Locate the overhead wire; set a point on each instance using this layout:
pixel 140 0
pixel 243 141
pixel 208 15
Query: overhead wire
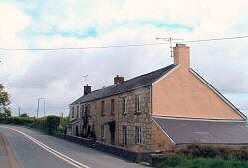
pixel 120 46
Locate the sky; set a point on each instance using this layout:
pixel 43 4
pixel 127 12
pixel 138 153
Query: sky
pixel 58 75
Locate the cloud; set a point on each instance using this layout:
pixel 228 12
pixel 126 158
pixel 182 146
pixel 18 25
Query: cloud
pixel 58 75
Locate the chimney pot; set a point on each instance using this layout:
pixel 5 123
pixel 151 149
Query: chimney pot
pixel 118 80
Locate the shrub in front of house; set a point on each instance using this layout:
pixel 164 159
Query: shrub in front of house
pixel 181 162
pixel 204 156
pixel 52 123
pixel 210 151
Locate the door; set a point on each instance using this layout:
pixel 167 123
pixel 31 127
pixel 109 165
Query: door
pixel 112 132
pixel 77 131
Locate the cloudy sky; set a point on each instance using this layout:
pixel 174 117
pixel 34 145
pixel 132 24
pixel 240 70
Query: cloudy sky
pixel 58 75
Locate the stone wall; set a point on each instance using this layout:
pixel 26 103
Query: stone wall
pixel 131 119
pixel 160 142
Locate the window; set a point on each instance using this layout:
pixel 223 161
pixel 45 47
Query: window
pixel 124 135
pixel 72 112
pixel 137 135
pixel 87 109
pixel 112 107
pixel 124 106
pixel 103 108
pixel 77 111
pixel 82 111
pixel 102 132
pixel 137 104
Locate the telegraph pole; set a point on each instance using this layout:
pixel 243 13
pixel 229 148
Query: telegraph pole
pixel 44 106
pixel 38 106
pixel 19 111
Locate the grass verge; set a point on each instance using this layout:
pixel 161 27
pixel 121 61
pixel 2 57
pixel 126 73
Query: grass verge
pixel 197 162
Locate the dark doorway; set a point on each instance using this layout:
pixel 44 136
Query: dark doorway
pixel 77 132
pixel 112 132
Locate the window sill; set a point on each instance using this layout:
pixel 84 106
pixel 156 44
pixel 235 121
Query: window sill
pixel 138 113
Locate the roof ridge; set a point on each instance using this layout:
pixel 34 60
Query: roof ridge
pixel 135 77
pixel 132 83
pixel 149 72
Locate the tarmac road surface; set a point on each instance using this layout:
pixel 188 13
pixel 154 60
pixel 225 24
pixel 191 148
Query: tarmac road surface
pixel 26 148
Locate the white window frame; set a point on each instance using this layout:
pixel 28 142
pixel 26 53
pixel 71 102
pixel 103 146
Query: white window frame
pixel 124 105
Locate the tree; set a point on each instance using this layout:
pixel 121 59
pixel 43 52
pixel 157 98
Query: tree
pixel 4 102
pixel 24 115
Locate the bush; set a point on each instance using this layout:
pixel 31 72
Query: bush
pixel 21 120
pixel 198 162
pixel 208 151
pixel 24 115
pixel 52 123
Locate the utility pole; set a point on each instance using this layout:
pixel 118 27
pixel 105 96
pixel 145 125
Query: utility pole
pixel 38 106
pixel 171 41
pixel 19 111
pixel 44 106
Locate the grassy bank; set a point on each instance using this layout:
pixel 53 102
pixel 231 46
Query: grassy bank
pixel 204 156
pixel 186 162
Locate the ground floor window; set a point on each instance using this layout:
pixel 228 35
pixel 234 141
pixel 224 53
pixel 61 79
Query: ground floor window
pixel 102 132
pixel 124 135
pixel 138 135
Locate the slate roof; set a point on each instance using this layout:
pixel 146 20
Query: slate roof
pixel 143 80
pixel 202 131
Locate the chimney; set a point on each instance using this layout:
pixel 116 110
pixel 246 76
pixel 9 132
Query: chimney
pixel 182 56
pixel 118 80
pixel 87 89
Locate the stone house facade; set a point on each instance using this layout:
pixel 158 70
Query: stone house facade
pixel 116 120
pixel 139 114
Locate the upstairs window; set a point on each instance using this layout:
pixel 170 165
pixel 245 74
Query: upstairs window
pixel 102 108
pixel 77 111
pixel 138 135
pixel 124 106
pixel 72 112
pixel 112 107
pixel 87 109
pixel 137 104
pixel 82 111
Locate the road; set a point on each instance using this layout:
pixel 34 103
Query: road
pixel 26 148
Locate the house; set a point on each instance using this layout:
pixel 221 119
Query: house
pixel 157 111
